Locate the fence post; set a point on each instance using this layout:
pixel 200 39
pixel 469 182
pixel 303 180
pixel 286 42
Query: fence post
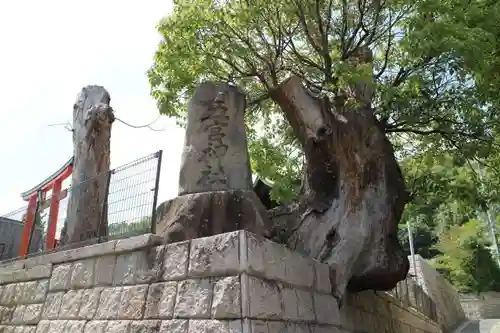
pixel 415 295
pixel 29 220
pixel 159 155
pixel 33 226
pixel 104 208
pixel 406 293
pixel 53 215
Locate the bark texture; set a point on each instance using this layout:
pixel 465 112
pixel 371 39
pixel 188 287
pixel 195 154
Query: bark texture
pixel 353 192
pixel 87 211
pixel 210 213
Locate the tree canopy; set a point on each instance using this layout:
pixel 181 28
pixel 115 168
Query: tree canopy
pixel 436 66
pixel 434 79
pixel 466 260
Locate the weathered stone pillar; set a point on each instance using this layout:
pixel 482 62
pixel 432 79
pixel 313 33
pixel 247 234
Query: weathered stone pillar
pixel 215 155
pixel 93 117
pixel 215 183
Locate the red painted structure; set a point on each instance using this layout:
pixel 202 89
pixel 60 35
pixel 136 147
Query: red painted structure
pixel 35 197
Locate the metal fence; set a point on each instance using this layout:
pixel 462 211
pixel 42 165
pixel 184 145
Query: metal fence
pixel 117 204
pixel 410 294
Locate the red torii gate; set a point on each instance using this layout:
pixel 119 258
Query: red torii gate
pixel 36 197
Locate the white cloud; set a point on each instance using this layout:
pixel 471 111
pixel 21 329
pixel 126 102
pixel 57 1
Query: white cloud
pixel 50 50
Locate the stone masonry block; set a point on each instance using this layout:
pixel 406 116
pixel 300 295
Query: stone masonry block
pixel 226 301
pixel 327 310
pixel 275 326
pixel 261 257
pixel 260 326
pixel 7 314
pixel 174 326
pixel 57 326
pixel 137 242
pixel 27 293
pixel 29 274
pixel 82 275
pixel 132 302
pixel 215 256
pixel 89 303
pixel 8 294
pixel 145 326
pixel 37 272
pixel 161 300
pixel 74 326
pixel 96 326
pixel 322 282
pixel 299 270
pixel 89 251
pixel 41 289
pixel 17 316
pixel 328 329
pixel 109 303
pixel 103 272
pixel 260 299
pixel 290 311
pixel 298 305
pixel 52 305
pixel 32 313
pixel 3 310
pixel 25 329
pixel 127 267
pixel 19 292
pixel 194 299
pixel 70 304
pixel 118 326
pixel 305 307
pixel 151 269
pixel 215 326
pixel 43 326
pixel 176 261
pixel 297 327
pixel 61 277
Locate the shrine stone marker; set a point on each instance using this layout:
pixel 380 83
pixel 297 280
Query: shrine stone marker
pixel 215 155
pixel 215 182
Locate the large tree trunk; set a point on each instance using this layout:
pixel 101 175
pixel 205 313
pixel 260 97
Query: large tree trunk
pixel 354 191
pixel 87 212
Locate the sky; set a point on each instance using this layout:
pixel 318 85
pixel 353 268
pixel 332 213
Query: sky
pixel 51 49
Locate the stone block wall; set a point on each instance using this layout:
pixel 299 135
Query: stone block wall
pixel 447 300
pixel 483 306
pixel 230 283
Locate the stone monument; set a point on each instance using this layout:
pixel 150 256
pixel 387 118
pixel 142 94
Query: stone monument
pixel 215 183
pixel 215 155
